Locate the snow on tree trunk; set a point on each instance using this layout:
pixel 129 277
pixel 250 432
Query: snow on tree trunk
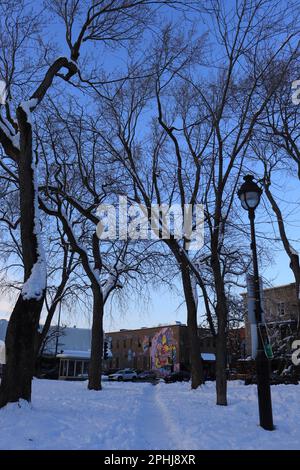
pixel 22 329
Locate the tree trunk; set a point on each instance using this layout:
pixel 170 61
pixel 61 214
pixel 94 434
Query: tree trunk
pixel 221 346
pixel 221 352
pixel 23 324
pixel 95 366
pixel 192 324
pixel 20 351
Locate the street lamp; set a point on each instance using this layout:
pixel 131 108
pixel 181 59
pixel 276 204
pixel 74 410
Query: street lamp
pixel 249 194
pixel 58 329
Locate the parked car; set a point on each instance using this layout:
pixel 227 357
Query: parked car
pixel 181 376
pixel 110 371
pixel 147 376
pixel 123 375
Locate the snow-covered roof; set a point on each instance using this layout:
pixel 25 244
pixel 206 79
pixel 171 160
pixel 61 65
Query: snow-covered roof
pixel 71 339
pixel 68 353
pixel 208 356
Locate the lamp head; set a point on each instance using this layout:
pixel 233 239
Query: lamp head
pixel 249 193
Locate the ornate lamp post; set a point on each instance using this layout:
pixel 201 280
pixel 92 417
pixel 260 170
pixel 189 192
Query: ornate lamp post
pixel 249 194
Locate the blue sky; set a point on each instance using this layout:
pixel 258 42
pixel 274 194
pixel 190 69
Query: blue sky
pixel 167 307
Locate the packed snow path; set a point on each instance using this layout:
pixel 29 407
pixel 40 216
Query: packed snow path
pixel 65 415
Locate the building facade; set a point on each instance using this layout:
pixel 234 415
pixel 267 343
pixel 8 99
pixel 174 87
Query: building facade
pixel 163 348
pixel 280 307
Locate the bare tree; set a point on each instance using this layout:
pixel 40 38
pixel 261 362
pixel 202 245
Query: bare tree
pixel 61 260
pixel 76 155
pixel 199 137
pixel 104 22
pixel 274 162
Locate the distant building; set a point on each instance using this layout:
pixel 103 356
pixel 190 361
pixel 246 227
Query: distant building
pixel 280 307
pixel 73 365
pixel 73 352
pixel 164 348
pixel 71 339
pixel 75 339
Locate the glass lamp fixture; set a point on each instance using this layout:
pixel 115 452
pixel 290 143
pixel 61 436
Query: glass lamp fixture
pixel 249 193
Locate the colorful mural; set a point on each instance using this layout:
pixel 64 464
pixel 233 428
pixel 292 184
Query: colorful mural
pixel 164 351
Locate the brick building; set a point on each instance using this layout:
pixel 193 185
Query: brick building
pixel 280 306
pixel 163 348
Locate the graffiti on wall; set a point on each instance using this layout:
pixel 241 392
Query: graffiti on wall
pixel 164 351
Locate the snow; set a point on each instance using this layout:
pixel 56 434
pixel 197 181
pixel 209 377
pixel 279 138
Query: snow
pixel 35 285
pixel 126 416
pixel 27 106
pixel 2 352
pixel 194 289
pixel 293 251
pixel 71 339
pixel 68 353
pixel 9 132
pixel 16 140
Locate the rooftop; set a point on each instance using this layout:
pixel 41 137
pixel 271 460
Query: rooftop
pixel 267 289
pixel 144 328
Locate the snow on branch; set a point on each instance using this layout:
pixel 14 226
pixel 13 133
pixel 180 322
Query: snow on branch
pixel 293 251
pixel 27 107
pixel 35 285
pixel 9 132
pixel 112 280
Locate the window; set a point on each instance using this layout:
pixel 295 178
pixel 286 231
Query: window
pixel 63 368
pixel 85 367
pixel 71 368
pixel 124 343
pixel 78 368
pixel 117 344
pixel 280 308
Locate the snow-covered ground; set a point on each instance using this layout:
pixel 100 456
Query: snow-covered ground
pixel 65 415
